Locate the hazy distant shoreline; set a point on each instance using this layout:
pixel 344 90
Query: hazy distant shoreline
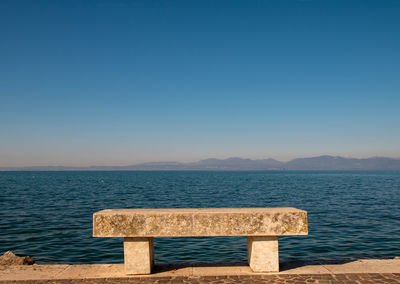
pixel 239 164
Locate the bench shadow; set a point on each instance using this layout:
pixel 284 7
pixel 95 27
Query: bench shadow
pixel 162 267
pixel 283 266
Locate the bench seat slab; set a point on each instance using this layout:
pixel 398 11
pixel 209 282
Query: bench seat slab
pixel 204 222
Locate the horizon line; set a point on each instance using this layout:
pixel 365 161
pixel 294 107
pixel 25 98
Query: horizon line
pixel 186 163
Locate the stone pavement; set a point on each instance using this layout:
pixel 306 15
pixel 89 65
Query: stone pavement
pixel 360 278
pixel 361 271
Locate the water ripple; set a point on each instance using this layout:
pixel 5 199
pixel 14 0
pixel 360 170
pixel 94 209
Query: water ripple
pixel 48 215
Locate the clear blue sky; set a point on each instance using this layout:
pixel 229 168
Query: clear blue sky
pixel 124 82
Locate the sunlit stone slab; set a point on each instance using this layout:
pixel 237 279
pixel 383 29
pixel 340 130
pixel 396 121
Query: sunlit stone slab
pixel 179 222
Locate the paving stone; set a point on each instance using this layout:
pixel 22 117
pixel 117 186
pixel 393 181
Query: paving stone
pixel 262 279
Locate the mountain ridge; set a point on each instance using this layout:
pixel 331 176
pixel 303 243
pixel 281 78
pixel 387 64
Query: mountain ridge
pixel 324 162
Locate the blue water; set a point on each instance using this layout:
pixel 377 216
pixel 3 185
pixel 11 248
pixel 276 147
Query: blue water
pixel 48 215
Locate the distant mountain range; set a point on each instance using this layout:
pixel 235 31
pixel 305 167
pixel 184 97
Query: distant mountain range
pixel 239 164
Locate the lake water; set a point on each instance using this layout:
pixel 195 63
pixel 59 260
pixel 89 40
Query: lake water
pixel 48 215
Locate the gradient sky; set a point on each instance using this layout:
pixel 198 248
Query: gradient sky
pixel 124 82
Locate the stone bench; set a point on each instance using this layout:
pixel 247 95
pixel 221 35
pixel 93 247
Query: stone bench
pixel 261 226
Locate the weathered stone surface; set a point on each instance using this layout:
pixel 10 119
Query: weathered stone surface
pixel 178 222
pixel 9 258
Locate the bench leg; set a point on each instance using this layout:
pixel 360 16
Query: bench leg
pixel 263 254
pixel 138 255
